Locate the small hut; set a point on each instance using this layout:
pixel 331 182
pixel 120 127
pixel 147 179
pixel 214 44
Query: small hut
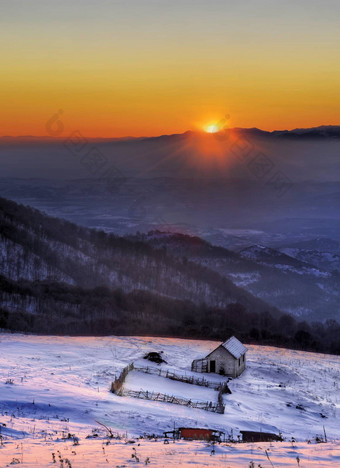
pixel 195 433
pixel 229 358
pixel 254 436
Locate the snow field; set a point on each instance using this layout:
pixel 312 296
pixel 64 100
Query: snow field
pixel 52 386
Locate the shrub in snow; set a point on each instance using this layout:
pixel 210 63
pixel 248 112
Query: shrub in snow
pixel 154 357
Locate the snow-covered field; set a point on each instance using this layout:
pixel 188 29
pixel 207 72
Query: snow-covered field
pixel 54 386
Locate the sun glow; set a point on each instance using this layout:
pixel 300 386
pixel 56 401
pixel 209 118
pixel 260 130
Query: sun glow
pixel 212 128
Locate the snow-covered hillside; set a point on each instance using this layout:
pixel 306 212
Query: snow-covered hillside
pixel 54 384
pixel 329 261
pixel 296 285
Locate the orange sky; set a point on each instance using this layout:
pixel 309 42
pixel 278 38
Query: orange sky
pixel 120 68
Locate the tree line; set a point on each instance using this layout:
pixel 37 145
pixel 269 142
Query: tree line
pixel 64 309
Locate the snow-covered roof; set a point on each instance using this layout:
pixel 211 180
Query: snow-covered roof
pixel 235 347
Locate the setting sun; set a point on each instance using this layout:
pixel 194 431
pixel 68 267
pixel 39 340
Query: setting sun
pixel 212 128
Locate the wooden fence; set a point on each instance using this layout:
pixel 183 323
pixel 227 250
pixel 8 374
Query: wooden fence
pixel 117 384
pixel 219 407
pixel 154 396
pixel 202 382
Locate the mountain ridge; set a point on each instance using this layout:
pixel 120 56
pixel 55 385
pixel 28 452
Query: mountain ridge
pixel 321 131
pixel 35 246
pixel 60 278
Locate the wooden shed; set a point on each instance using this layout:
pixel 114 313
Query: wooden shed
pixel 229 359
pixel 196 433
pixel 254 436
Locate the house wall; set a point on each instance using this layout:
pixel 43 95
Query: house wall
pixel 252 436
pixel 224 360
pixel 242 365
pixel 196 434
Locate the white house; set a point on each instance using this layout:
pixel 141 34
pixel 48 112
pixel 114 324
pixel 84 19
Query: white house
pixel 229 358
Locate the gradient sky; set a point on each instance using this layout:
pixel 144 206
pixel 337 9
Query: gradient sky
pixel 138 67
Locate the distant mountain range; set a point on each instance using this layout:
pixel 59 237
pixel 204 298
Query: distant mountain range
pixel 243 154
pixel 38 248
pixel 59 278
pixel 322 131
pixel 194 183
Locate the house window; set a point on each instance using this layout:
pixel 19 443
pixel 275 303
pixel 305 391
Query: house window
pixel 243 357
pixel 239 362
